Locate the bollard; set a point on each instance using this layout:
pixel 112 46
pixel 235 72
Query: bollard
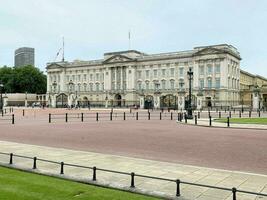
pixel 185 118
pixel 34 163
pixel 230 114
pixel 234 193
pixel 2 112
pixel 239 113
pixel 110 116
pixel 66 117
pixel 23 112
pixel 259 113
pixel 49 118
pixel 171 115
pixel 160 116
pixel 132 180
pixel 13 119
pixel 220 114
pixel 11 159
pixel 178 188
pixel 94 173
pixel 195 119
pixel 249 114
pixel 136 115
pixel 97 116
pixel 234 110
pixel 209 113
pixel 198 115
pixel 148 115
pixel 62 168
pixel 124 116
pixel 82 117
pixel 210 120
pixel 228 121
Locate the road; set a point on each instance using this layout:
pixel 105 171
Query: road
pixel 164 140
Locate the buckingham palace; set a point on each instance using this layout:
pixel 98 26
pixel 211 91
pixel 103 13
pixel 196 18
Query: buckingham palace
pixel 134 78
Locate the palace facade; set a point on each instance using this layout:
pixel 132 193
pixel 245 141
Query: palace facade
pixel 134 78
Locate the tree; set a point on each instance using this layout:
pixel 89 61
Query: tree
pixel 23 79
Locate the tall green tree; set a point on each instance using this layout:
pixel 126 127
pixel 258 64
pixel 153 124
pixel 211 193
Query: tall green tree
pixel 23 79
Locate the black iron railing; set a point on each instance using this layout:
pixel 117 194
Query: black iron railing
pixel 132 176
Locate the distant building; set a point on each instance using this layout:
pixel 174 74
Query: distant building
pixel 131 77
pixel 24 56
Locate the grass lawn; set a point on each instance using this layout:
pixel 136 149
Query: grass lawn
pixel 19 185
pixel 244 120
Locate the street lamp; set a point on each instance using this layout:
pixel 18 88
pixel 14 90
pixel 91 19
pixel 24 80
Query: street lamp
pixel 189 107
pixel 1 105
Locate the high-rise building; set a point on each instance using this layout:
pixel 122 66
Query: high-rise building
pixel 24 56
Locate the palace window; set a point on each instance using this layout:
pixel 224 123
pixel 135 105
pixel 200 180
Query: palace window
pixel 97 77
pixel 155 73
pixel 217 82
pixel 147 85
pixel 84 87
pixel 91 77
pixel 172 72
pixel 147 74
pixel 201 83
pixel 163 84
pixel 163 72
pixel 139 85
pixel 201 70
pixel 209 70
pixel 84 77
pixel 139 74
pixel 79 77
pixel 97 87
pixel 217 69
pixel 181 71
pixel 91 87
pixel 209 83
pixel 172 84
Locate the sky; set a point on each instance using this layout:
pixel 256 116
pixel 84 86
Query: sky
pixel 94 27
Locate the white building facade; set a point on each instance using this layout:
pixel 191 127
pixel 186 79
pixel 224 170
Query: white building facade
pixel 133 78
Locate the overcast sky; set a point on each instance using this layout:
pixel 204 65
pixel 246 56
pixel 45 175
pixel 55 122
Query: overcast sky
pixel 93 27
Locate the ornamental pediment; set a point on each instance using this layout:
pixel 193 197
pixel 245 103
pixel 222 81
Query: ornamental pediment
pixel 54 66
pixel 118 58
pixel 208 51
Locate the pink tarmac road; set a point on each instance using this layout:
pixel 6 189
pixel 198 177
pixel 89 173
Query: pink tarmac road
pixel 164 140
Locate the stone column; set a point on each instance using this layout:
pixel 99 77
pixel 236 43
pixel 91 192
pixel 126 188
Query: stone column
pixel 181 98
pixel 255 100
pixel 70 100
pixel 199 100
pixel 142 101
pixel 157 101
pixel 53 101
pixel 181 105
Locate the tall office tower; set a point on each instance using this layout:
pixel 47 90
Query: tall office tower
pixel 24 56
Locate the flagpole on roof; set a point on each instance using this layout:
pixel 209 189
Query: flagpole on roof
pixel 129 37
pixel 63 49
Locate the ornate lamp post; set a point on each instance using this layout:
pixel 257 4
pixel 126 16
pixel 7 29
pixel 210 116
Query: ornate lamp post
pixel 189 107
pixel 1 100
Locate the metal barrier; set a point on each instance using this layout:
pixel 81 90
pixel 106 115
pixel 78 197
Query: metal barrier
pixel 8 118
pixel 111 116
pixel 132 175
